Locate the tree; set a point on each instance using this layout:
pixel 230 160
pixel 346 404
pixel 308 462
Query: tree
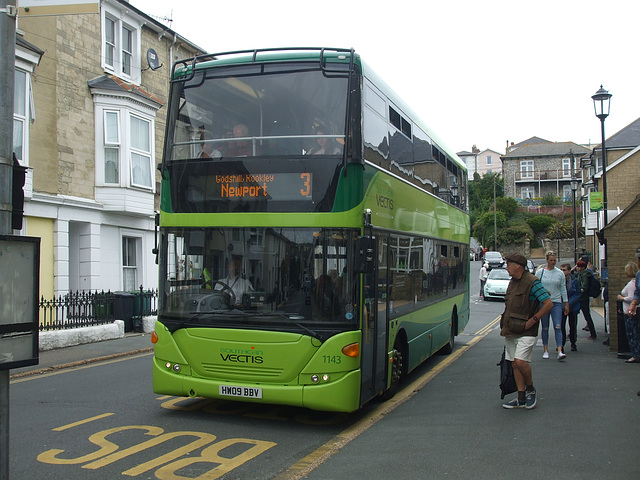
pixel 540 223
pixel 483 229
pixel 481 196
pixel 563 229
pixel 507 205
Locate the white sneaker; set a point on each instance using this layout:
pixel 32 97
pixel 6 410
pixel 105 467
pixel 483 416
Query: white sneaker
pixel 545 355
pixel 561 356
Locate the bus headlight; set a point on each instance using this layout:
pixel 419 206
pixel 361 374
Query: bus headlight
pixel 316 378
pixel 175 367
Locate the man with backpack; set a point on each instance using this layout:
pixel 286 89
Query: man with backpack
pixel 587 280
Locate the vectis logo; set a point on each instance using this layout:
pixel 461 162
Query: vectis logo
pixel 384 202
pixel 241 355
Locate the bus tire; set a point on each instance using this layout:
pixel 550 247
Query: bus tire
pixel 448 347
pixel 398 369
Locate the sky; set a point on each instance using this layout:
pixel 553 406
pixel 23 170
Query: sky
pixel 478 73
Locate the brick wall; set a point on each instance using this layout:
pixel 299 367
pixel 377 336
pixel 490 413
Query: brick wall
pixel 623 182
pixel 623 238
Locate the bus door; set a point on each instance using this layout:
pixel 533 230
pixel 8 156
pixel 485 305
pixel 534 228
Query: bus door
pixel 373 348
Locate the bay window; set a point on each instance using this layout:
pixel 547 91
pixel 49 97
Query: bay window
pixel 129 153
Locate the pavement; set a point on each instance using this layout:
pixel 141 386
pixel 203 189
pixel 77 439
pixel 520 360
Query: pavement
pixel 584 425
pixel 453 426
pixel 50 360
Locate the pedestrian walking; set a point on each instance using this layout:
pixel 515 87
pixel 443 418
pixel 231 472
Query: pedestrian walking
pixel 554 281
pixel 574 293
pixel 585 276
pixel 526 301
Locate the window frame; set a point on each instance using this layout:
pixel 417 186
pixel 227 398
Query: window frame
pixel 112 145
pixel 566 167
pixel 136 150
pixel 531 190
pixel 136 268
pixel 121 19
pixel 125 110
pixel 21 117
pixel 526 168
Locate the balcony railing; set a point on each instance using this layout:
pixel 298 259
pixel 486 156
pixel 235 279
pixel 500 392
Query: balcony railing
pixel 544 175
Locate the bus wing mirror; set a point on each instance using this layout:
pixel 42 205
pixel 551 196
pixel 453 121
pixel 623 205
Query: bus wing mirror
pixel 155 250
pixel 365 254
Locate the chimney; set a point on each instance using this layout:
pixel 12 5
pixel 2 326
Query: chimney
pixel 475 149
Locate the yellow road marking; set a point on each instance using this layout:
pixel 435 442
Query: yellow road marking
pixel 324 452
pixel 82 422
pixel 487 328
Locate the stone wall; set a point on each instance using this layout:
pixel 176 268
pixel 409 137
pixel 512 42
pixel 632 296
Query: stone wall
pixel 564 248
pixel 523 248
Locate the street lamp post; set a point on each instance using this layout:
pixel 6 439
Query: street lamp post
pixel 601 103
pixel 574 187
pixel 495 219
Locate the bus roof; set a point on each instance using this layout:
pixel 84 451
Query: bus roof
pixel 369 73
pixel 298 54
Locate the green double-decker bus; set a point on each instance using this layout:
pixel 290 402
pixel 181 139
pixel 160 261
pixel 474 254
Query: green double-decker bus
pixel 313 233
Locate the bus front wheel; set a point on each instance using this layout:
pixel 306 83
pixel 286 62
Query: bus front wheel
pixel 397 369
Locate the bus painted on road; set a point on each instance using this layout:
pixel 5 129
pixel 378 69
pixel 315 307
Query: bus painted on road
pixel 313 233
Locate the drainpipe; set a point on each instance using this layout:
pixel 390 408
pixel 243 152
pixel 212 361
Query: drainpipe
pixel 175 40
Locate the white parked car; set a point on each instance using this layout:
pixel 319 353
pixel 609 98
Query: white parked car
pixel 497 283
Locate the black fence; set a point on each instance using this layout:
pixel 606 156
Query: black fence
pixel 86 309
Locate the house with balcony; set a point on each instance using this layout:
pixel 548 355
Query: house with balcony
pixel 537 168
pixel 89 126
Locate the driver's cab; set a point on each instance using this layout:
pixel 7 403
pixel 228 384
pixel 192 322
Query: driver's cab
pixel 235 284
pixel 210 273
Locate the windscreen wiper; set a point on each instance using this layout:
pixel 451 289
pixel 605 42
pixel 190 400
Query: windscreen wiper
pixel 293 319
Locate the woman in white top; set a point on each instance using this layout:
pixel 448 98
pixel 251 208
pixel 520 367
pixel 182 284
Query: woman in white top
pixel 553 280
pixel 631 323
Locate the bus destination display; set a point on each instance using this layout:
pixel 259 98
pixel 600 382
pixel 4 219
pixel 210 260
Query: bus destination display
pixel 274 186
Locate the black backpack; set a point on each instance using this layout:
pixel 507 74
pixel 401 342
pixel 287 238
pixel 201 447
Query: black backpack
pixel 594 287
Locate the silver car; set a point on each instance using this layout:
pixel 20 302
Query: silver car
pixel 494 259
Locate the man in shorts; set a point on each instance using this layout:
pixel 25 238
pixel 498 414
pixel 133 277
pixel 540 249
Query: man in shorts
pixel 526 302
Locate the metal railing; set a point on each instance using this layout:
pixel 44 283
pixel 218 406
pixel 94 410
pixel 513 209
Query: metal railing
pixel 561 175
pixel 86 309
